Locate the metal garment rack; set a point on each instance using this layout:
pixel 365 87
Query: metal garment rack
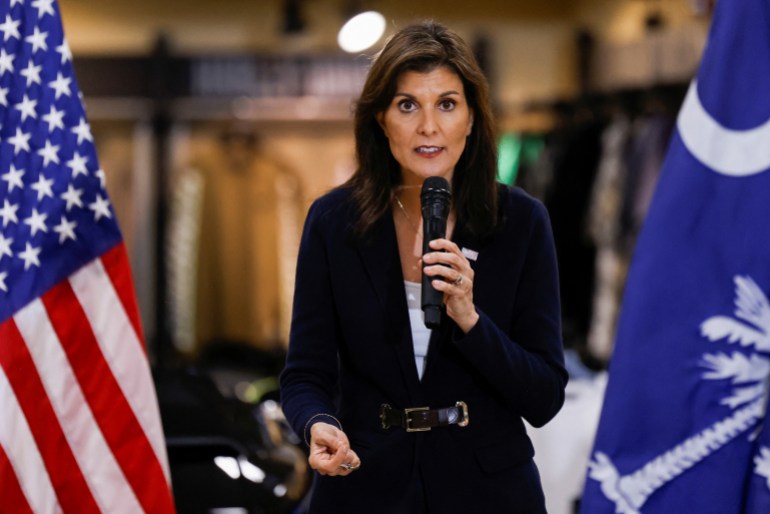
pixel 164 89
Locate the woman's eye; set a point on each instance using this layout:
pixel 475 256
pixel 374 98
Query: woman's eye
pixel 447 105
pixel 406 106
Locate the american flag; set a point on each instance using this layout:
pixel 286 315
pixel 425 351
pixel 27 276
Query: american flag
pixel 79 423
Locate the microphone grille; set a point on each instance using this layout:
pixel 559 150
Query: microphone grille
pixel 436 184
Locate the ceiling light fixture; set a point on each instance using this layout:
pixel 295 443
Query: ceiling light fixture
pixel 361 31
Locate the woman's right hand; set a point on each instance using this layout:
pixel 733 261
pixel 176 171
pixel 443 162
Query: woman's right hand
pixel 330 452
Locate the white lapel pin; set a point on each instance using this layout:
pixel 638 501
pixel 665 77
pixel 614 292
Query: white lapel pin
pixel 470 254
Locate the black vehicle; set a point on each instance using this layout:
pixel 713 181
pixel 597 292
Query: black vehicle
pixel 228 455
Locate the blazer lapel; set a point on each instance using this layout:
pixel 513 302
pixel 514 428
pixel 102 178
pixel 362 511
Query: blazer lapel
pixel 380 258
pixel 379 255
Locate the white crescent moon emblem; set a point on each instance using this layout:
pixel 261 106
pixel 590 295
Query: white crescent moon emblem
pixel 738 153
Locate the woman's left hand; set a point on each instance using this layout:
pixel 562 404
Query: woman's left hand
pixel 449 263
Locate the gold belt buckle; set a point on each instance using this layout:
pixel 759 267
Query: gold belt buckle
pixel 409 421
pixel 465 417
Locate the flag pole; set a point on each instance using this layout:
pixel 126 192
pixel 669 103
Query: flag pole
pixel 161 349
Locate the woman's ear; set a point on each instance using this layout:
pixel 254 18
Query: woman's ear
pixel 470 126
pixel 380 117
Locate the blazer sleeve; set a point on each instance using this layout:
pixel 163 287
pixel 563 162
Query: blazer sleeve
pixel 524 362
pixel 309 378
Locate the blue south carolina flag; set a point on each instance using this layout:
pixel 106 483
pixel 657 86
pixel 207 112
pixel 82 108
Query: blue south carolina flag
pixel 682 429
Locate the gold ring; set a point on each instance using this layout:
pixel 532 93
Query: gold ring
pixel 458 280
pixel 349 467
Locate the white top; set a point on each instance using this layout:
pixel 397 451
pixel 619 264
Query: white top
pixel 420 333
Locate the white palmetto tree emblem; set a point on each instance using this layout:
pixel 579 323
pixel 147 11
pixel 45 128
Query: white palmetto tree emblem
pixel 750 328
pixel 748 371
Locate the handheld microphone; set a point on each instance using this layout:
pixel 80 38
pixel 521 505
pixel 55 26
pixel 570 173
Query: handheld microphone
pixel 434 201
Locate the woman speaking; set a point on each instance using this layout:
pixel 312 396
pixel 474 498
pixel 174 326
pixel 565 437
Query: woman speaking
pixel 401 418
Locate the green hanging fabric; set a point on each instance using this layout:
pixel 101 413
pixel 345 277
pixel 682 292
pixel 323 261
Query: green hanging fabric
pixel 513 152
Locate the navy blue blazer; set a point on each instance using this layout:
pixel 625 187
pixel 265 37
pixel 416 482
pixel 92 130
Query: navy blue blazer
pixel 351 351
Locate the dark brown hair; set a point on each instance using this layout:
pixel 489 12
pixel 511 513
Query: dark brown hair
pixel 424 47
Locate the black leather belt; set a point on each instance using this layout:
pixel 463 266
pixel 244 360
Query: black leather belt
pixel 421 419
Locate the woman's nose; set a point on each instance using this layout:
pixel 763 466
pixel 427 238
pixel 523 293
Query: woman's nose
pixel 428 124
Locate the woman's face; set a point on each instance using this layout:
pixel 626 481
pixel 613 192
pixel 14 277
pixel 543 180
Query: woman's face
pixel 427 123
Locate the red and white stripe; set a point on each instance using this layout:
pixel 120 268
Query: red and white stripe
pixel 80 429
